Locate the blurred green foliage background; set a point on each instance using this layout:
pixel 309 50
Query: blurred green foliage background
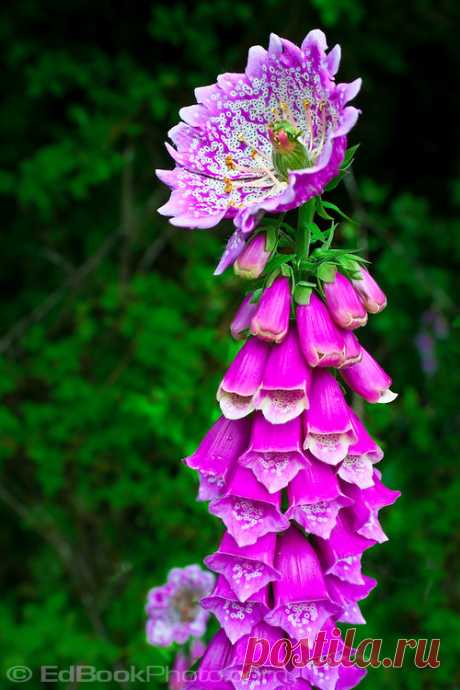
pixel 115 332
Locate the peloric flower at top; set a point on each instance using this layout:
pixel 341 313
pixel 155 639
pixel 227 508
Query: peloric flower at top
pixel 268 139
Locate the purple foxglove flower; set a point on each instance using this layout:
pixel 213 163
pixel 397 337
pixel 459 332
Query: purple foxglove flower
pixel 328 427
pixel 321 342
pixel 274 453
pixel 197 648
pixel 253 259
pixel 247 509
pixel 243 379
pixel 177 678
pixel 353 351
pixel 346 596
pixel 268 139
pixel 210 674
pixel 370 293
pixel 264 676
pixel 271 320
pixel 239 327
pixel 344 304
pixel 366 506
pixel 357 467
pixel 174 613
pixel 217 452
pixel 248 568
pixel 286 382
pixel 315 499
pixel 341 553
pixel 301 600
pixel 333 676
pixel 369 380
pixel 236 618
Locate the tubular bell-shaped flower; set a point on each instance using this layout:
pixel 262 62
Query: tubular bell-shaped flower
pixel 217 452
pixel 315 499
pixel 243 380
pixel 280 131
pixel 369 380
pixel 286 382
pixel 271 320
pixel 320 340
pixel 236 618
pixel 357 467
pixel 301 600
pixel 346 595
pixel 247 509
pixel 343 303
pixel 366 506
pixel 370 293
pixel 341 553
pixel 353 350
pixel 327 674
pixel 274 453
pixel 247 569
pixel 328 427
pixel 266 676
pixel 210 674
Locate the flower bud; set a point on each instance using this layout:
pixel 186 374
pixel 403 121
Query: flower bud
pixel 344 304
pixel 271 320
pixel 253 259
pixel 370 293
pixel 242 319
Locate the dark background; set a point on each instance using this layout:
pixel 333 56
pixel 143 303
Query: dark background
pixel 115 332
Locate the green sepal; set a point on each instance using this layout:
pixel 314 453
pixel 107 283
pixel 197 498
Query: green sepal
pixel 327 272
pixel 302 293
pixel 271 239
pixel 256 295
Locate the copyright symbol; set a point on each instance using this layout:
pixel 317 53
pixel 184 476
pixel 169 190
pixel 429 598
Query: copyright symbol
pixel 19 674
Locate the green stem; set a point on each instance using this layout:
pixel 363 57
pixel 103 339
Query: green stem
pixel 305 217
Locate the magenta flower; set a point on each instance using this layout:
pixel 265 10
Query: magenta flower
pixel 235 617
pixel 301 600
pixel 328 426
pixel 357 468
pixel 177 677
pixel 370 293
pixel 366 507
pixel 271 320
pixel 210 674
pixel 253 259
pixel 369 380
pixel 315 499
pixel 247 509
pixel 243 380
pixel 265 676
pixel 284 392
pixel 247 569
pixel 341 553
pixel 174 613
pixel 216 454
pixel 332 676
pixel 343 303
pixel 321 341
pixel 267 139
pixel 346 595
pixel 274 453
pixel 239 327
pixel 353 350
